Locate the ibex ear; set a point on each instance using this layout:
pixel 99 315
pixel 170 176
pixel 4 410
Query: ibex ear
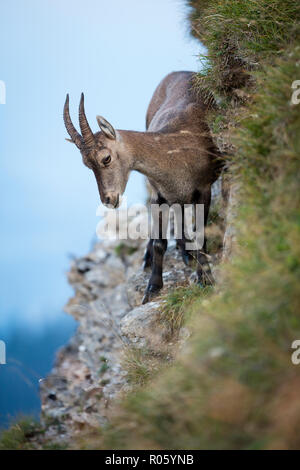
pixel 70 140
pixel 106 128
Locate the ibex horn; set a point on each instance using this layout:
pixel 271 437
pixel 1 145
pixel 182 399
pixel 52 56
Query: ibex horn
pixel 86 131
pixel 75 136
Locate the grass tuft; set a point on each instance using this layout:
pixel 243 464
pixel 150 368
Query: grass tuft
pixel 20 434
pixel 141 365
pixel 176 307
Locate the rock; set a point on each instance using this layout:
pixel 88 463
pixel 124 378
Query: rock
pixel 141 328
pixel 89 375
pixel 136 288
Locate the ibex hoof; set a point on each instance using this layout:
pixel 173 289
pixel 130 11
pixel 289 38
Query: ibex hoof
pixel 150 293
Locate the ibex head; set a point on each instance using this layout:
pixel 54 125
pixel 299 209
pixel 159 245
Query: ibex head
pixel 100 153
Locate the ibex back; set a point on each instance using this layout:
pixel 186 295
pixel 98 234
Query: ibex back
pixel 176 154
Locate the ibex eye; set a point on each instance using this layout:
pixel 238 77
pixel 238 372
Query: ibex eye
pixel 106 160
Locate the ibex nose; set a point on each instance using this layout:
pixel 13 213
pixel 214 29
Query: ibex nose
pixel 111 201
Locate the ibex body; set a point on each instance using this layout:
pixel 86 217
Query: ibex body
pixel 176 154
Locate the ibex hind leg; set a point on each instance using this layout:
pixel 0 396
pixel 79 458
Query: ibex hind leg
pixel 204 274
pixel 199 260
pixel 187 257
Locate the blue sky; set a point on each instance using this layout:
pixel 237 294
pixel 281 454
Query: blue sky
pixel 116 52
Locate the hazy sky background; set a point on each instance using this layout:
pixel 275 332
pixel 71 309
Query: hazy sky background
pixel 116 52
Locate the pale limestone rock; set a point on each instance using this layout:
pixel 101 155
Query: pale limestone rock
pixel 141 327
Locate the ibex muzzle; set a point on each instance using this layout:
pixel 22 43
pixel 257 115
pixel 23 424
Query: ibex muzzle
pixel 176 154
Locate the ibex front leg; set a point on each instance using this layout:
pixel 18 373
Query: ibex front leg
pixel 148 255
pixel 159 247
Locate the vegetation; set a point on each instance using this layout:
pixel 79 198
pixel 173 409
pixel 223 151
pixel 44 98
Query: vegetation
pixel 141 365
pixel 240 36
pixel 122 250
pixel 177 307
pixel 20 435
pixel 26 433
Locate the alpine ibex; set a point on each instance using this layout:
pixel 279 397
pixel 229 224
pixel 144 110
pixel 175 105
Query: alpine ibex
pixel 176 154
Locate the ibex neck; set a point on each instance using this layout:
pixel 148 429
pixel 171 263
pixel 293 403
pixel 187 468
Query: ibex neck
pixel 152 153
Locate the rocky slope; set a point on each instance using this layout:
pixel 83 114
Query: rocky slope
pixel 88 374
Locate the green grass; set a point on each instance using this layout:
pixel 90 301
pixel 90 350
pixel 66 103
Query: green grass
pixel 20 434
pixel 176 309
pixel 141 365
pixel 240 35
pixel 254 28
